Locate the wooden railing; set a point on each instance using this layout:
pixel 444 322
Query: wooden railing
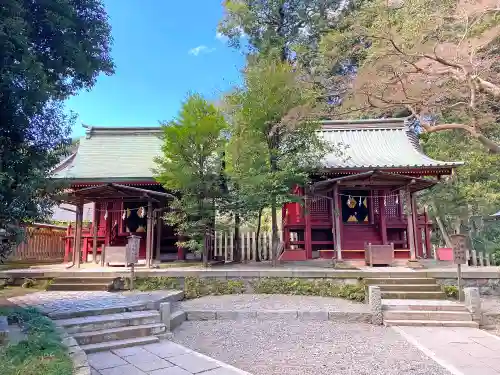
pixel 224 245
pixel 43 243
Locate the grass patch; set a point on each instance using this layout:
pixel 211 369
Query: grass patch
pixel 194 287
pixel 42 353
pixel 305 287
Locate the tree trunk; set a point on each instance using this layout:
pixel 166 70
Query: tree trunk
pixel 257 243
pixel 442 229
pixel 236 239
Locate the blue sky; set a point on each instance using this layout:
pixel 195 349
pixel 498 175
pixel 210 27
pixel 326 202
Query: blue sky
pixel 163 49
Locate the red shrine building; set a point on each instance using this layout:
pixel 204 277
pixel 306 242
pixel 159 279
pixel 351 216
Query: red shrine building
pixel 365 193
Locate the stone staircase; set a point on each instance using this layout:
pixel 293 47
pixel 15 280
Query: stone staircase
pixel 85 284
pixel 119 327
pixel 419 302
pixel 408 288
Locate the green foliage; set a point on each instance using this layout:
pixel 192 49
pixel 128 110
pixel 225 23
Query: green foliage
pixel 278 26
pixel 49 52
pixel 317 287
pixel 274 144
pixel 29 283
pixel 196 287
pixel 451 291
pixel 191 165
pixel 41 353
pixel 155 283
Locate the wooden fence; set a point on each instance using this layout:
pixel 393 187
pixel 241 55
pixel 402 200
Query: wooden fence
pixel 43 242
pixel 224 245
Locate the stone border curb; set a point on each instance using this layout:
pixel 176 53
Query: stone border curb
pixel 78 356
pixel 338 316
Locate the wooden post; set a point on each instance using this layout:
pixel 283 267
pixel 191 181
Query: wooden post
pixel 337 213
pixel 383 218
pixel 149 230
pixel 307 232
pixel 78 242
pixel 67 244
pixel 159 225
pixel 95 227
pixel 409 231
pixel 417 235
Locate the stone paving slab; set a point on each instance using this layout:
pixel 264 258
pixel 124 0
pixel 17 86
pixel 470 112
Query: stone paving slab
pixel 463 351
pixel 163 358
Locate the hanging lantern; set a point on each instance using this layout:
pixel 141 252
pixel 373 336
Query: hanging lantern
pixel 141 212
pixel 106 214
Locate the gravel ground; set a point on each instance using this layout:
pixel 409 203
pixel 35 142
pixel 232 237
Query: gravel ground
pixel 306 348
pixel 271 302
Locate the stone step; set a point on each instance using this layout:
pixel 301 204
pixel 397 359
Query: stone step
pixel 98 322
pixel 117 344
pixel 398 280
pixel 410 288
pixel 450 316
pixel 419 305
pixel 85 280
pixel 120 333
pixel 430 323
pixel 176 318
pixel 399 294
pixel 127 307
pixel 80 287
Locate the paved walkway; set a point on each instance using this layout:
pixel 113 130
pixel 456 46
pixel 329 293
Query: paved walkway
pixel 462 351
pixel 163 358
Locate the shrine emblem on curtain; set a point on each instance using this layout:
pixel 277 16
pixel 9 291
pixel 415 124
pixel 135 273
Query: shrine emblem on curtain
pixel 355 209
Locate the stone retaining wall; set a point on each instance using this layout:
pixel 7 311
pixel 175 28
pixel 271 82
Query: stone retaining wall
pixel 487 286
pixel 78 356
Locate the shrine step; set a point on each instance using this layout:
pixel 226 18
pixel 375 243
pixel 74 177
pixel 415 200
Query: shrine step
pixel 422 305
pixel 86 280
pixel 410 288
pixel 100 322
pixel 412 295
pixel 430 323
pixel 449 316
pixel 117 344
pixel 400 281
pixel 80 286
pixel 120 333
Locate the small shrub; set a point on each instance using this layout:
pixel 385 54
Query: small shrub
pixel 154 283
pixel 451 291
pixel 45 284
pixel 320 287
pixel 195 287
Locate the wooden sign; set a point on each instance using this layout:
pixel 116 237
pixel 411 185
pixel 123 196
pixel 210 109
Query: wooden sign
pixel 459 242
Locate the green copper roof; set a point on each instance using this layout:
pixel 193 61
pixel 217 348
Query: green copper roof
pixel 114 154
pixel 375 143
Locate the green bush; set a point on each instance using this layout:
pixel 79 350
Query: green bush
pixel 154 283
pixel 451 291
pixel 41 353
pixel 305 287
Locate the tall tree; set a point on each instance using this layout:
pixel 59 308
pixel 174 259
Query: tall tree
pixel 281 146
pixel 50 50
pixel 190 165
pixel 281 27
pixel 432 60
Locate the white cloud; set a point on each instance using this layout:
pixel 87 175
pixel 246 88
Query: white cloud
pixel 220 36
pixel 200 50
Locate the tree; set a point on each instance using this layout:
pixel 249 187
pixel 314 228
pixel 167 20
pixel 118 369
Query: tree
pixel 275 138
pixel 49 52
pixel 190 165
pixel 433 61
pixel 282 27
pixel 472 192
